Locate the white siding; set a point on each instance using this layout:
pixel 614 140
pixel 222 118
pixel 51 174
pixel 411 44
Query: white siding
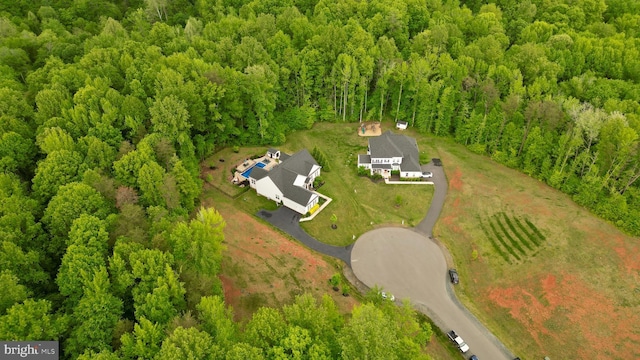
pixel 315 172
pixel 410 174
pixel 268 189
pixel 293 205
pixel 312 202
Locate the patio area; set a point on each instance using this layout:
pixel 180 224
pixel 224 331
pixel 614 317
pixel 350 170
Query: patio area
pixel 244 168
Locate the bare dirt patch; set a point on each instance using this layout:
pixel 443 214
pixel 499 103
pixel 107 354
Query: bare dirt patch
pixel 455 180
pixel 598 327
pixel 370 128
pixel 262 267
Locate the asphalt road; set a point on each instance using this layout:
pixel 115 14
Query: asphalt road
pixel 437 202
pixel 288 221
pixel 409 265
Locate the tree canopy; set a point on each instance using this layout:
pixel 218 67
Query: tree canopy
pixel 107 107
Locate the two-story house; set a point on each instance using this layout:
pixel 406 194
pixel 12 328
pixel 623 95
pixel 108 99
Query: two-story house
pixel 389 152
pixel 289 183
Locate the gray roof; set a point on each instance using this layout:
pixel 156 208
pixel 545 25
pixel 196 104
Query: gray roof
pixel 381 166
pixel 301 162
pixel 285 174
pixel 390 145
pixel 258 173
pixel 410 163
pixel 364 159
pixel 272 150
pixel 284 156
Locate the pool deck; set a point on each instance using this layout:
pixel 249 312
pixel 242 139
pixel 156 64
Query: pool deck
pixel 249 163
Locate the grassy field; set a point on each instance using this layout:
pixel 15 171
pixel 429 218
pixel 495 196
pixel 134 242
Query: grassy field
pixel 263 267
pixel 359 204
pixel 547 277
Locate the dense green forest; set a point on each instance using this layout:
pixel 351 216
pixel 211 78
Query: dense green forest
pixel 106 108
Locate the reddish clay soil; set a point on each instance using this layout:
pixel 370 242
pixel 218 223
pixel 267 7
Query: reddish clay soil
pixel 629 254
pixel 455 180
pixel 597 326
pixel 451 220
pixel 259 261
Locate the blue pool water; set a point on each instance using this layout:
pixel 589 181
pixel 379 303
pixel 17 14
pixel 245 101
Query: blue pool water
pixel 247 172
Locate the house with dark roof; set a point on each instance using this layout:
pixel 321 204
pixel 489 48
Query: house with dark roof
pixel 289 183
pixel 389 152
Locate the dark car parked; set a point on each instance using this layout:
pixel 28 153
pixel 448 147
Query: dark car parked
pixel 453 275
pixel 436 162
pixel 473 357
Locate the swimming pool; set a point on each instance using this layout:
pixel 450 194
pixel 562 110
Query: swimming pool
pixel 247 172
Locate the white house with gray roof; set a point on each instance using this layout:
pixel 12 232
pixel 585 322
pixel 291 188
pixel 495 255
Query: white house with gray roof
pixel 389 152
pixel 289 183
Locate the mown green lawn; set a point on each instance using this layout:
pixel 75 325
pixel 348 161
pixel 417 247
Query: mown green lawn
pixel 359 204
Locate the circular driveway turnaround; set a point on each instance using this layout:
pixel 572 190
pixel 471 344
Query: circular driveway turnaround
pixel 408 264
pixel 401 261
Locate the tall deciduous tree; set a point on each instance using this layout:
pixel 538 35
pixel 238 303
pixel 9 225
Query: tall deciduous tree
pixel 169 117
pixel 69 203
pixel 189 343
pixel 217 321
pixel 13 292
pixel 95 317
pixel 58 168
pixel 32 320
pixel 369 334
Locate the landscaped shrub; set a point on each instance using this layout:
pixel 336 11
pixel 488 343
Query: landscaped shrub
pixel 335 281
pixel 321 158
pixel 376 177
pixel 236 149
pixel 318 181
pixel 395 172
pixel 398 200
pixel 363 171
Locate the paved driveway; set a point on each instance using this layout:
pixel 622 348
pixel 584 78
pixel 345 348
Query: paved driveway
pixel 408 265
pixel 288 221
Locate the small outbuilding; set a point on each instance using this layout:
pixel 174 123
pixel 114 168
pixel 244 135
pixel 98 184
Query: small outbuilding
pixel 273 153
pixel 402 125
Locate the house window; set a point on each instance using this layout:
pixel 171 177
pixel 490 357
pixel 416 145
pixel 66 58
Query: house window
pixel 253 181
pixel 277 197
